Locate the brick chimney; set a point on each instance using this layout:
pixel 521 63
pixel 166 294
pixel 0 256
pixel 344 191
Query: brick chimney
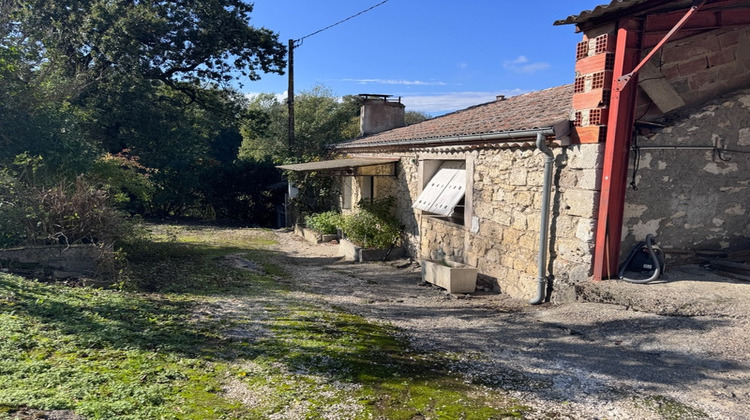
pixel 379 113
pixel 593 87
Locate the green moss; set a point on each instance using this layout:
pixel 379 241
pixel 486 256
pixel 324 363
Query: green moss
pixel 669 409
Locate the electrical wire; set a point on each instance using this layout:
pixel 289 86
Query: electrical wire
pixel 636 160
pixel 298 41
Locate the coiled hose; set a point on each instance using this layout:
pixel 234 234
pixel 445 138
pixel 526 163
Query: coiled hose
pixel 649 244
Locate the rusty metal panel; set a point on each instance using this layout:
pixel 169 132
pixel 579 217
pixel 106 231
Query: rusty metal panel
pixel 443 192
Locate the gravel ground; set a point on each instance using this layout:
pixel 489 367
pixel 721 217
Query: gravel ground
pixel 674 349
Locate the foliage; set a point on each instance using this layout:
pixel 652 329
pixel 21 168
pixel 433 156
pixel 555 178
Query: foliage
pixel 67 212
pixel 127 181
pixel 381 207
pixel 75 213
pixel 265 135
pixel 132 94
pixel 12 216
pixel 321 119
pixel 415 117
pixel 316 192
pixel 181 44
pixel 244 190
pixel 326 223
pixel 372 225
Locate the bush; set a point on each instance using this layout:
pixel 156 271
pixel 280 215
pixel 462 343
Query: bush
pixel 12 230
pixel 381 207
pixel 66 213
pixel 372 225
pixel 324 223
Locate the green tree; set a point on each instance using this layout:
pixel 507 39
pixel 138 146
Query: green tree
pixel 321 119
pixel 133 93
pixel 415 117
pixel 181 44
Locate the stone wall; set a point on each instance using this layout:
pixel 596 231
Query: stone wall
pixel 501 233
pixel 91 261
pixel 692 199
pixel 507 202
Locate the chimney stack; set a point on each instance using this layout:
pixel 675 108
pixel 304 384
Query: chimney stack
pixel 379 113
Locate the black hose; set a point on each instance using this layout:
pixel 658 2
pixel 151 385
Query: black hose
pixel 649 243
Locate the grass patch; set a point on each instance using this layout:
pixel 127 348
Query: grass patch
pixel 207 340
pixel 670 409
pixel 104 354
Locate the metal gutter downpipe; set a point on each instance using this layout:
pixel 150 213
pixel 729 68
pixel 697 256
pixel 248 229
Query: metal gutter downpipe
pixel 541 144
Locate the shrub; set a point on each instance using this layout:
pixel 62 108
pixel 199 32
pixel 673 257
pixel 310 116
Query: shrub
pixel 75 213
pixel 372 225
pixel 12 230
pixel 69 212
pixel 324 223
pixel 381 207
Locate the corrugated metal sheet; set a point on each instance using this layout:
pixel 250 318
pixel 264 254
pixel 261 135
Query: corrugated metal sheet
pixel 336 164
pixel 443 192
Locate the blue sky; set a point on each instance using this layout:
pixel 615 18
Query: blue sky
pixel 438 55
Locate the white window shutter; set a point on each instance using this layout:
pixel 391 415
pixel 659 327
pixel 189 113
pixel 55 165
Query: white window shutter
pixel 443 192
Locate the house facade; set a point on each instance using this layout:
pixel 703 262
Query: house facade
pixel 552 188
pixel 494 219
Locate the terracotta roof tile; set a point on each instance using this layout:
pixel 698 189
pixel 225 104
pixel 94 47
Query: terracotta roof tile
pixel 614 8
pixel 523 112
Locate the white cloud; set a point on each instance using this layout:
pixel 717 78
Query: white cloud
pixel 281 97
pixel 452 101
pixel 394 82
pixel 522 65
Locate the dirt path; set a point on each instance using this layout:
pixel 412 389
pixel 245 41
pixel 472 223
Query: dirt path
pixel 578 360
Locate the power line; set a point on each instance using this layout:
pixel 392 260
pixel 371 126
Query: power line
pixel 298 41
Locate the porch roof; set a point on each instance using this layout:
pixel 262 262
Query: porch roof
pixel 337 164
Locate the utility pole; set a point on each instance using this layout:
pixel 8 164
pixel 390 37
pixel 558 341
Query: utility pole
pixel 290 95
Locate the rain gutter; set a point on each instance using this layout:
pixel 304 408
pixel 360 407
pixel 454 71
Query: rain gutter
pixel 503 135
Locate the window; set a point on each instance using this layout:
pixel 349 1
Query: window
pixel 444 194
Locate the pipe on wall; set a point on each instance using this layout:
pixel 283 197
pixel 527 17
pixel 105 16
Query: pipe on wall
pixel 541 294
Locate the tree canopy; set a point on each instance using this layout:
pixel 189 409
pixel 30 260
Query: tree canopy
pixel 321 119
pixel 137 96
pixel 175 42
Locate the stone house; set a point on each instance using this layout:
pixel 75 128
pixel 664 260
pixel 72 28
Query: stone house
pixel 549 189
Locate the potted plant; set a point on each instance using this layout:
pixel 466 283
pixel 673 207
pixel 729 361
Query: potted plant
pixel 371 232
pixel 321 227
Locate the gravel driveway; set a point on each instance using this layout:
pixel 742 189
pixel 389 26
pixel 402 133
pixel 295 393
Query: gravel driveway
pixel 677 349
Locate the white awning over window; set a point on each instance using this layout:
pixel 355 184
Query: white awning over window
pixel 444 191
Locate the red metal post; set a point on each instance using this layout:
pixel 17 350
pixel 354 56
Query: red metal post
pixel 619 132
